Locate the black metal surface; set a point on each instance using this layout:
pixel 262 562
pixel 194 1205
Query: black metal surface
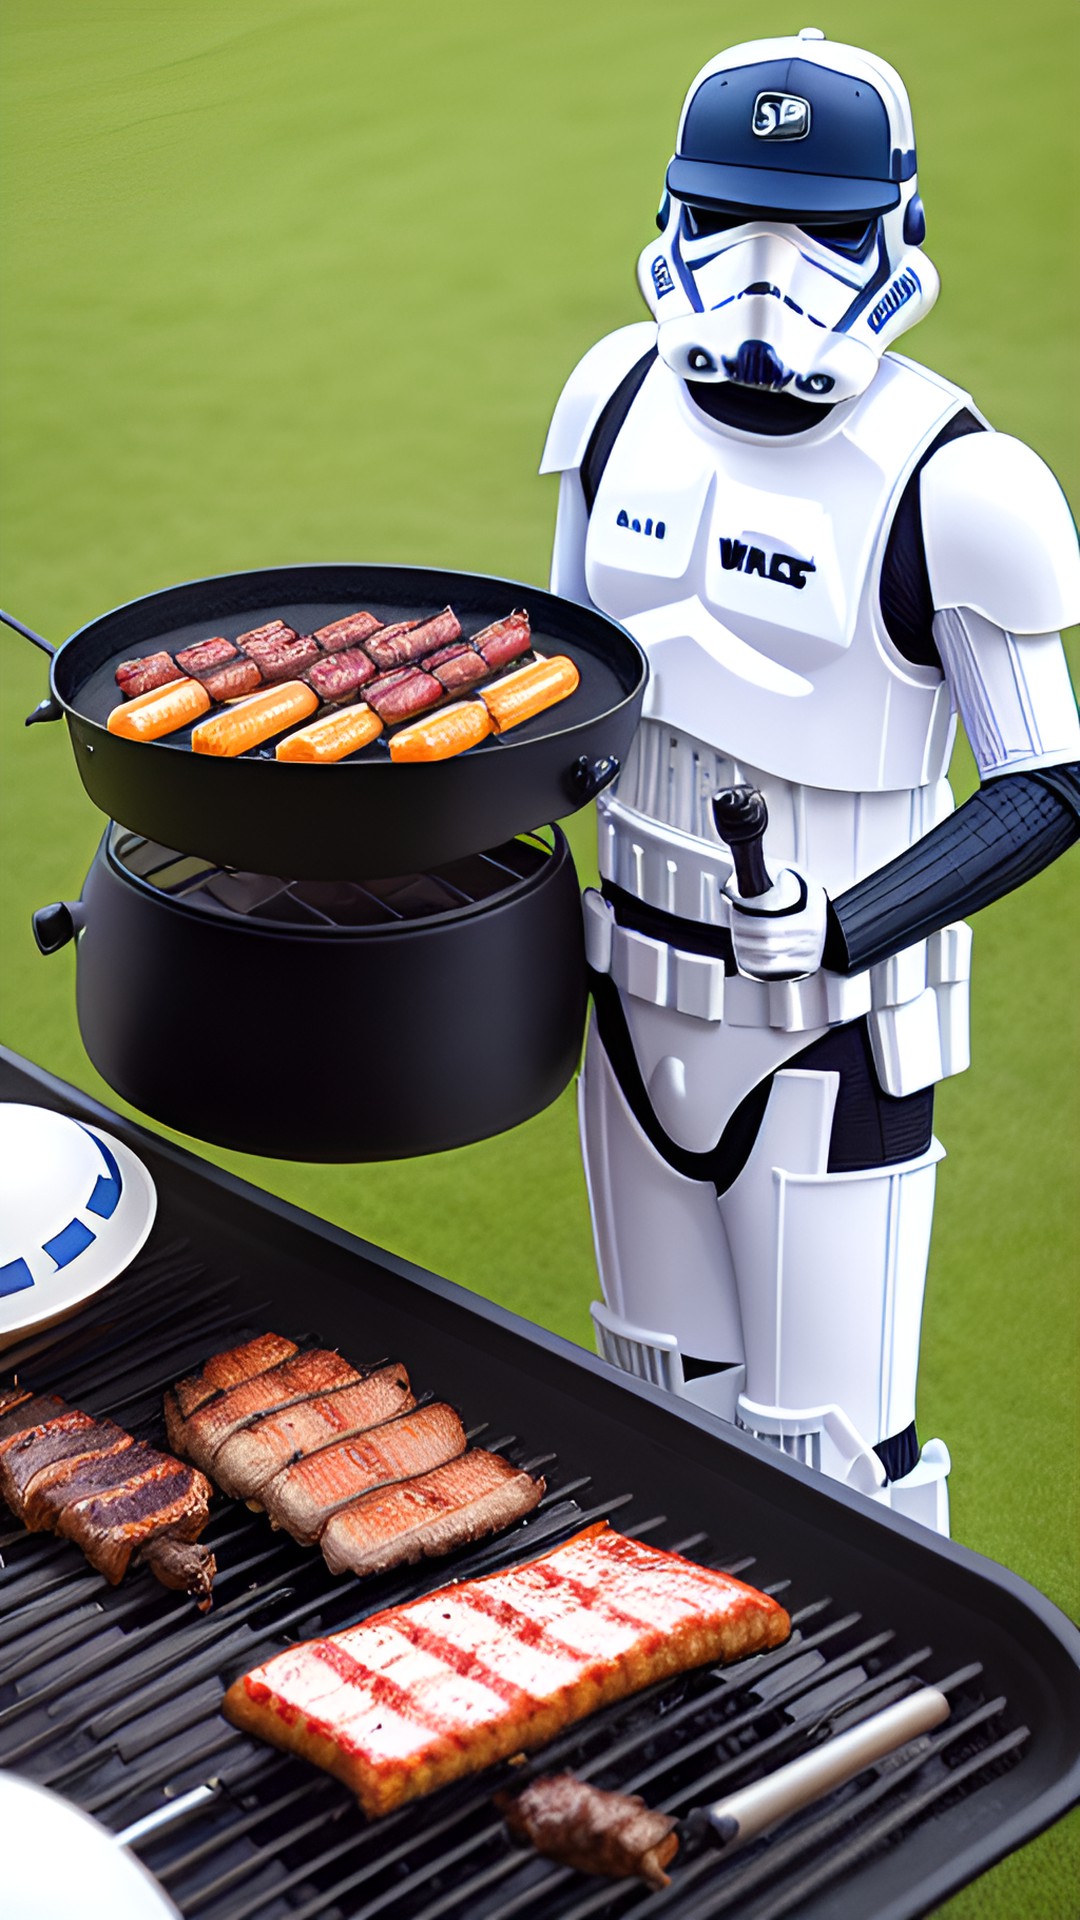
pixel 110 1696
pixel 351 1018
pixel 362 816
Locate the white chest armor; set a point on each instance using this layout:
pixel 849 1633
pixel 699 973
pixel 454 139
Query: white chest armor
pixel 749 570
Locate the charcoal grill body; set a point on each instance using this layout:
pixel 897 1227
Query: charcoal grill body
pixel 332 1021
pixel 655 1463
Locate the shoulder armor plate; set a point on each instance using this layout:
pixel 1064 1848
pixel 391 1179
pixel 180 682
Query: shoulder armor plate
pixel 587 391
pixel 999 536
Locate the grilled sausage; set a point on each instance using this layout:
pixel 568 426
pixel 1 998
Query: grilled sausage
pixel 451 731
pixel 150 715
pixel 255 720
pixel 528 692
pixel 332 737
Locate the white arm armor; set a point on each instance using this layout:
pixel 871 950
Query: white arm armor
pixel 1004 574
pixel 577 411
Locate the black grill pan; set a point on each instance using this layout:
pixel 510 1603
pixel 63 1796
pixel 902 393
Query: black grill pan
pixel 110 1695
pixel 364 816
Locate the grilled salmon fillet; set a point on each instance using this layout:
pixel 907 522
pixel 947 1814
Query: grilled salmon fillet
pixel 201 1433
pixel 228 1369
pixel 303 1497
pixel 422 1694
pixel 251 1457
pixel 476 1494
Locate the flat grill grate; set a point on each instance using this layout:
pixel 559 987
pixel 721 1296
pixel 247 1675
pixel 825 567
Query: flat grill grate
pixel 110 1696
pixel 323 905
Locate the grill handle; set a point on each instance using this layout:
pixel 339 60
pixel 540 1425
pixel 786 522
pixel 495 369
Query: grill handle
pixel 55 925
pixel 28 633
pixel 741 818
pixel 742 1816
pixel 587 778
pixel 47 709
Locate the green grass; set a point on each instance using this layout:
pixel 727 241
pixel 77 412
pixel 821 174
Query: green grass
pixel 290 282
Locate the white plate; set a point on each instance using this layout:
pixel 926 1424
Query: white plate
pixel 76 1205
pixel 60 1864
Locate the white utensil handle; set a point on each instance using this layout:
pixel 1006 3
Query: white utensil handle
pixel 742 1815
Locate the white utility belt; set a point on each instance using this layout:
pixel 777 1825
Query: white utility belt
pixel 916 1003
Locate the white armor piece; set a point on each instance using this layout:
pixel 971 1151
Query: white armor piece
pixel 749 569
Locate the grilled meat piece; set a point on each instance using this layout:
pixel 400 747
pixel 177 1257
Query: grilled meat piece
pixel 94 1473
pixel 505 640
pixel 145 675
pixel 474 1495
pixel 302 1498
pixel 340 675
pixel 45 1454
pixel 424 1693
pixel 209 1426
pixel 11 1397
pixel 205 655
pixel 283 655
pixel 581 1826
pixel 110 1525
pixel 183 1565
pixel 272 630
pixel 253 1456
pixel 91 1482
pixel 31 1412
pixel 349 632
pixel 398 645
pixel 457 667
pixel 227 1369
pixel 403 694
pixel 231 682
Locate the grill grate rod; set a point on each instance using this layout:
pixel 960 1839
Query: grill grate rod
pixel 125 1303
pixel 821 1827
pixel 317 1787
pixel 882 1689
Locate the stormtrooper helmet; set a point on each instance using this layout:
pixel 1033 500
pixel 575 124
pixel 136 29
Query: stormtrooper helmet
pixel 788 257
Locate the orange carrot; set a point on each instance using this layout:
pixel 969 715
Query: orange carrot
pixel 149 715
pixel 258 718
pixel 452 730
pixel 334 736
pixel 529 691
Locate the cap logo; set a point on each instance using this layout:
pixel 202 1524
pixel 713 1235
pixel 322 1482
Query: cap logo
pixel 781 116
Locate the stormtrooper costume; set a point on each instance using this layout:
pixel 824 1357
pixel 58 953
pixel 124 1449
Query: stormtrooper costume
pixel 827 557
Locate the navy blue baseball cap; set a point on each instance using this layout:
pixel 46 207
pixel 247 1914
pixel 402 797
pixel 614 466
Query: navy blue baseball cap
pixel 789 138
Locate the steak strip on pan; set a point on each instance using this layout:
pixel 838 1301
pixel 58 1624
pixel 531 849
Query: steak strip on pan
pixel 471 1496
pixel 253 1455
pixel 302 1498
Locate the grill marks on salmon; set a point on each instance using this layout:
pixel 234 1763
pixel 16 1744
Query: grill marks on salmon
pixel 228 1369
pixel 251 1457
pixel 91 1482
pixel 425 1693
pixel 199 1436
pixel 303 1498
pixel 474 1495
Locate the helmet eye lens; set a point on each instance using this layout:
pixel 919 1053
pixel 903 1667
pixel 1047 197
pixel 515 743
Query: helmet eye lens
pixel 851 237
pixel 701 221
